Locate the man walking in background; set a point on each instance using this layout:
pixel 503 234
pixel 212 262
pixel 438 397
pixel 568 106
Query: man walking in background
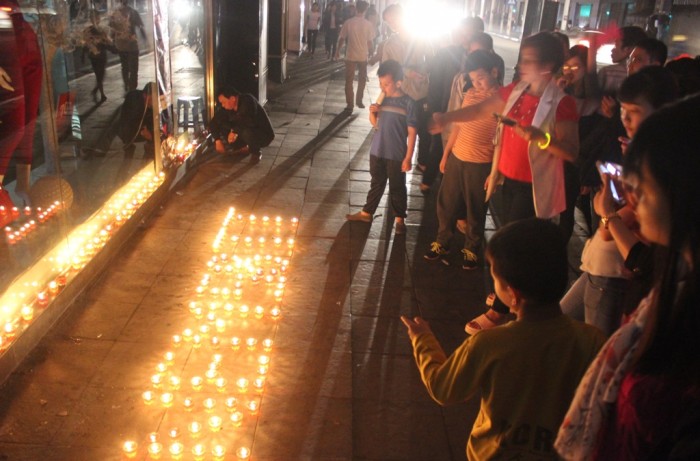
pixel 358 33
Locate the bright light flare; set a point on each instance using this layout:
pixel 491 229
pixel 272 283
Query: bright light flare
pixel 431 21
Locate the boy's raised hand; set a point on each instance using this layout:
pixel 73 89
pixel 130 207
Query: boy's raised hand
pixel 415 326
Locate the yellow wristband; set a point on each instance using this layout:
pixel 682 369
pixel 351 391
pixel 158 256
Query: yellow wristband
pixel 544 145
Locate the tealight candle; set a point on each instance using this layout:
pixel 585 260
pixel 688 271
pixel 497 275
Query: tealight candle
pixel 167 398
pixel 176 448
pixel 242 384
pixel 209 403
pixel 195 428
pixel 169 356
pixel 211 374
pixel 243 453
pixel 188 403
pixel 155 449
pixel 197 382
pixel 237 418
pixel 215 423
pixel 231 403
pixel 156 380
pixel 174 433
pixel 259 383
pixel 161 368
pixel 267 344
pixel 174 382
pixel 147 397
pixel 235 342
pixel 264 360
pixel 220 384
pixel 198 450
pixel 130 447
pixel 177 340
pixel 251 343
pixel 218 451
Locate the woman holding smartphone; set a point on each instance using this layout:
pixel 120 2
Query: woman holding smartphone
pixel 616 262
pixel 640 398
pixel 529 157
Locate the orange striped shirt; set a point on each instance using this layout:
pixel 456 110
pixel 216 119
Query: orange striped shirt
pixel 474 141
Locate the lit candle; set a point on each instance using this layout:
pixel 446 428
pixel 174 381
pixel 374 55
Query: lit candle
pixel 198 450
pixel 209 403
pixel 252 406
pixel 156 380
pixel 197 382
pixel 155 449
pixel 177 340
pixel 231 403
pixel 130 447
pixel 267 344
pixel 174 433
pixel 167 398
pixel 218 451
pixel 251 343
pixel 195 428
pixel 275 312
pixel 176 448
pixel 259 383
pixel 237 418
pixel 242 384
pixel 211 374
pixel 169 356
pixel 220 384
pixel 161 368
pixel 215 423
pixel 147 397
pixel 243 453
pixel 264 360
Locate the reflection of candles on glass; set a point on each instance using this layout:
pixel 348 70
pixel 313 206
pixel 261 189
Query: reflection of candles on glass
pixel 215 423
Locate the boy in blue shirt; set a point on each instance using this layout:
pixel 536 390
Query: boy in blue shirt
pixel 391 153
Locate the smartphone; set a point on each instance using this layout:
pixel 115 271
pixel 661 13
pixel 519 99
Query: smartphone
pixel 505 120
pixel 615 172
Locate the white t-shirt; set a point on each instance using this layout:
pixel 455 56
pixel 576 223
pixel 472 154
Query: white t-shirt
pixel 357 32
pixel 313 21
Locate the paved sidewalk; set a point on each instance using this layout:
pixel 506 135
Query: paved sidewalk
pixel 342 383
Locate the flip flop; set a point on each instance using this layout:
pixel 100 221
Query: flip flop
pixel 484 322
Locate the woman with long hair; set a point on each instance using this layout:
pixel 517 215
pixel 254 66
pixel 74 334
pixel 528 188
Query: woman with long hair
pixel 640 399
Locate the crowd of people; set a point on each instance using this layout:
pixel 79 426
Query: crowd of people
pixel 606 367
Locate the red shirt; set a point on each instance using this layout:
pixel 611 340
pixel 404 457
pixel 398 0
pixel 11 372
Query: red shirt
pixel 514 163
pixel 645 417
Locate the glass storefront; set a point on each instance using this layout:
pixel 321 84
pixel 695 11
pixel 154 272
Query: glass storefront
pixel 83 83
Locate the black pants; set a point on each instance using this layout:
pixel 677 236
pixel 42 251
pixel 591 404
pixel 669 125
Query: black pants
pixel 130 69
pixel 254 139
pixel 432 160
pixel 517 201
pixel 381 170
pixel 424 136
pixel 573 189
pixel 331 41
pixel 462 185
pixel 311 39
pixel 99 66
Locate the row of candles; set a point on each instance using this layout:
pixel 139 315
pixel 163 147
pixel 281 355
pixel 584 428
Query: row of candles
pixel 236 309
pixel 21 305
pixel 34 217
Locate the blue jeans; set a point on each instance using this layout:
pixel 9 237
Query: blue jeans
pixel 598 301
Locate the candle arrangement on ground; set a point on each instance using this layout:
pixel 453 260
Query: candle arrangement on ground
pixel 27 220
pixel 226 347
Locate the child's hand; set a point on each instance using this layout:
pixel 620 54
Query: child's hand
pixel 624 142
pixel 416 326
pixel 443 163
pixel 373 108
pixel 406 165
pixel 530 133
